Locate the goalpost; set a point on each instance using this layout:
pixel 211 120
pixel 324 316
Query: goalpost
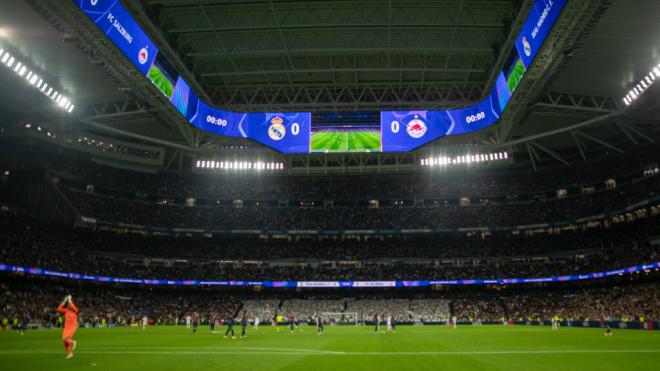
pixel 341 317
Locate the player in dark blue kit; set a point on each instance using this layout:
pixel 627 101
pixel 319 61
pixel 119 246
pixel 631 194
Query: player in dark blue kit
pixel 244 323
pixel 319 324
pixel 376 323
pixel 230 327
pixel 195 322
pixel 212 321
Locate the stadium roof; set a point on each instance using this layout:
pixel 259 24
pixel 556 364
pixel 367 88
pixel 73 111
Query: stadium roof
pixel 346 56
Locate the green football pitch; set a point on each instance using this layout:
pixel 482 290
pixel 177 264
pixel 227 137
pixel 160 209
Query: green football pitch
pixel 160 80
pixel 359 141
pixel 339 348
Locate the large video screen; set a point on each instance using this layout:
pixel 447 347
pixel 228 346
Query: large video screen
pixel 294 132
pixel 345 138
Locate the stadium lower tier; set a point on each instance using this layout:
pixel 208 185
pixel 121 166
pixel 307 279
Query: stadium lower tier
pixel 629 299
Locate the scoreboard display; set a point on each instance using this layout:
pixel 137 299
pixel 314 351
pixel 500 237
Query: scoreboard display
pixel 294 132
pixel 406 130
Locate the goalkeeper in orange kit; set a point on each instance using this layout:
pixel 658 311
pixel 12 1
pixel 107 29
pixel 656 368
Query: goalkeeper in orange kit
pixel 70 313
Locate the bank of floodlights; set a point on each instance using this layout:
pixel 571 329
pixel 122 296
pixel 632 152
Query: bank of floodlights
pixel 22 70
pixel 239 165
pixel 642 85
pixel 464 159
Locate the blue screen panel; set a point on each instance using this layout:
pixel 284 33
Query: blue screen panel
pixel 541 18
pixel 403 131
pixel 287 132
pixel 181 96
pixel 113 20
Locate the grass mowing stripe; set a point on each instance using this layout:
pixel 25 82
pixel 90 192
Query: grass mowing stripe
pixel 372 140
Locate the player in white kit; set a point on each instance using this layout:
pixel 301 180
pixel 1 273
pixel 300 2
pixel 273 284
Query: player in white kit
pixel 188 320
pixel 145 321
pixel 256 323
pixel 454 320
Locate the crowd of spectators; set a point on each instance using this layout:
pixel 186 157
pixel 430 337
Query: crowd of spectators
pixel 619 303
pixel 18 229
pixel 54 257
pixel 38 299
pixel 436 214
pixel 104 304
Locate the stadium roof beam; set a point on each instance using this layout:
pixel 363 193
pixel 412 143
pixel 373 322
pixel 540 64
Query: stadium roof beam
pixel 338 70
pixel 626 128
pixel 453 37
pixel 574 127
pixel 579 145
pixel 599 141
pixel 562 102
pixel 349 97
pixel 134 135
pixel 215 34
pixel 114 110
pixel 282 40
pixel 532 154
pixel 308 26
pixel 338 51
pixel 550 152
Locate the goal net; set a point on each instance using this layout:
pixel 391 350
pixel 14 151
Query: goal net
pixel 340 318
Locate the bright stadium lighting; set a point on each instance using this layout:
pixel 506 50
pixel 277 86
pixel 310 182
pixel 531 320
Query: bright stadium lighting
pixel 241 165
pixel 23 70
pixel 641 86
pixel 465 159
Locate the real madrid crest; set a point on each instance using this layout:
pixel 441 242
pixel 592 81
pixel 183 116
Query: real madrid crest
pixel 527 48
pixel 276 130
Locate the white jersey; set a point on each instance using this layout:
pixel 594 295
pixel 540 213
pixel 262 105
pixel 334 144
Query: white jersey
pixel 188 320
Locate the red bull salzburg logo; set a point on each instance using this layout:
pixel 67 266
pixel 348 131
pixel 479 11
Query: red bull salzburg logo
pixel 276 130
pixel 143 55
pixel 416 128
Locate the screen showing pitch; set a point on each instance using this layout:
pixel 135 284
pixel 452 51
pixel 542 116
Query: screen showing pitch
pixel 294 132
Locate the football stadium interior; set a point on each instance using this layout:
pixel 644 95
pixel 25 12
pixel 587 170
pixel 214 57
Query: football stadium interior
pixel 316 185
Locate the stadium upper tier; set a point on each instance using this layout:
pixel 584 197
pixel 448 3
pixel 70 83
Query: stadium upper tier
pixel 33 244
pixel 598 237
pixel 432 185
pixel 409 214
